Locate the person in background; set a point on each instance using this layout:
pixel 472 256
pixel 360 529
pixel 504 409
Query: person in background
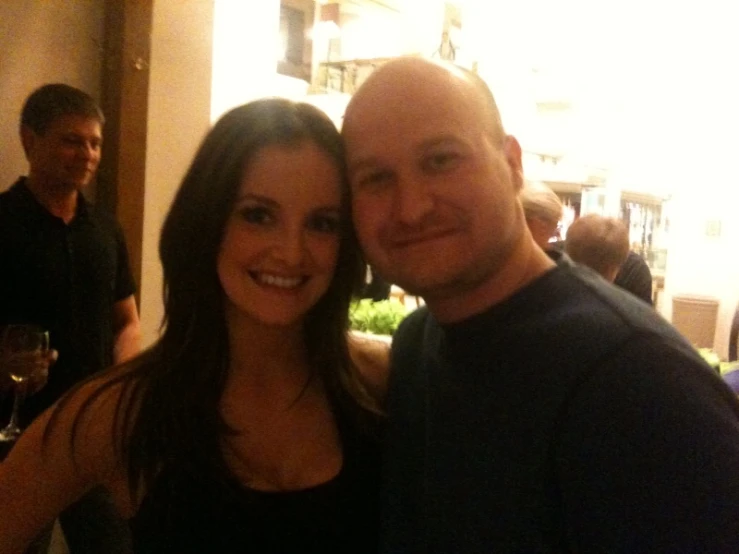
pixel 543 211
pixel 446 50
pixel 532 407
pixel 601 243
pixel 65 268
pixel 247 426
pixel 636 277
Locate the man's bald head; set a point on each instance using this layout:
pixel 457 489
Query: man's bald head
pixel 404 75
pixel 601 243
pixel 434 185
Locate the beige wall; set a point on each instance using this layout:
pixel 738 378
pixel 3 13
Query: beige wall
pixel 245 50
pixel 43 41
pixel 179 116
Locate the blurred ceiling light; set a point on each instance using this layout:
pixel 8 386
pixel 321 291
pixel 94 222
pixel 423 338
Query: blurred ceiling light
pixel 324 30
pixel 328 24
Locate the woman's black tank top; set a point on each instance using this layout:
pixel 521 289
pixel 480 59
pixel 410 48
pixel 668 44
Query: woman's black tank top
pixel 192 510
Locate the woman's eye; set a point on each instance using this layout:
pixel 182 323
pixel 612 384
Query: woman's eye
pixel 325 224
pixel 256 215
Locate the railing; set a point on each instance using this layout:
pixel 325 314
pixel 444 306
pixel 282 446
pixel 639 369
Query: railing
pixel 346 75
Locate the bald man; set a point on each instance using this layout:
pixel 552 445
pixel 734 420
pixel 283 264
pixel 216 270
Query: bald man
pixel 599 242
pixel 532 406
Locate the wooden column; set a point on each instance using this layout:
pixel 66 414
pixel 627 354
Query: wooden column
pixel 124 99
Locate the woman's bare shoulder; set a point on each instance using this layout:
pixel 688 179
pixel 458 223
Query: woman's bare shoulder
pixel 68 449
pixel 85 423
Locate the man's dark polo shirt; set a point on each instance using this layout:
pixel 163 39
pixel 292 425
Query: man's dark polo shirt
pixel 65 277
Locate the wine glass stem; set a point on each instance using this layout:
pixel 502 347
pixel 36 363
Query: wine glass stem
pixel 20 395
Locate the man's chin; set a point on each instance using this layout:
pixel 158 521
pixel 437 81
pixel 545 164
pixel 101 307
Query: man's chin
pixel 420 285
pixel 76 184
pixel 79 179
pixel 433 285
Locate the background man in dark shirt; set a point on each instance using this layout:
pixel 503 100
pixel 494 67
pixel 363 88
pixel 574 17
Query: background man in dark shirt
pixel 65 267
pixel 636 277
pixel 599 242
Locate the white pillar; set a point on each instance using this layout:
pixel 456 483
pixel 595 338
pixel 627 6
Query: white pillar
pixel 495 37
pixel 178 118
pixel 245 45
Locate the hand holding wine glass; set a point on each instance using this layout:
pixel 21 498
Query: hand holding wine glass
pixel 24 353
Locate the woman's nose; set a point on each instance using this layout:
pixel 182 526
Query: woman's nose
pixel 291 246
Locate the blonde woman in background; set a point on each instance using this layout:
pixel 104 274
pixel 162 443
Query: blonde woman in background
pixel 543 210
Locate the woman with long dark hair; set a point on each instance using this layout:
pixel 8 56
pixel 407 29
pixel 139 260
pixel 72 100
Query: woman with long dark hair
pixel 247 426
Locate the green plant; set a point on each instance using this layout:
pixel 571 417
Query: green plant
pixel 715 362
pixel 380 318
pixel 710 357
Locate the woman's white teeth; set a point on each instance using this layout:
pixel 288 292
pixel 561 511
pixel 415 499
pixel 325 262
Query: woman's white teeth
pixel 282 282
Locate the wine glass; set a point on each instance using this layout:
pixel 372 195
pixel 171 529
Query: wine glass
pixel 23 350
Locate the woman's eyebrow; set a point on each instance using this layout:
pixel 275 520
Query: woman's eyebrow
pixel 256 197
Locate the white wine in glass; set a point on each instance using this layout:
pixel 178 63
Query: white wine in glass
pixel 23 350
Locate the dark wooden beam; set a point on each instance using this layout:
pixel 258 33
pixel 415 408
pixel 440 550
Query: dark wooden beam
pixel 124 98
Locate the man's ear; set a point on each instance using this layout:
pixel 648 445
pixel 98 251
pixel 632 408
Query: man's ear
pixel 28 137
pixel 512 150
pixel 611 273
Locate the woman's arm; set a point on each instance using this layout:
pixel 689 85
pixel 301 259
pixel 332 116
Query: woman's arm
pixel 371 355
pixel 43 475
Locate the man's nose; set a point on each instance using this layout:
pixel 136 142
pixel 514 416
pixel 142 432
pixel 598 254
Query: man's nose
pixel 413 200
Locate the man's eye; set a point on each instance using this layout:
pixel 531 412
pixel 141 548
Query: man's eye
pixel 325 224
pixel 374 179
pixel 78 142
pixel 442 161
pixel 256 215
